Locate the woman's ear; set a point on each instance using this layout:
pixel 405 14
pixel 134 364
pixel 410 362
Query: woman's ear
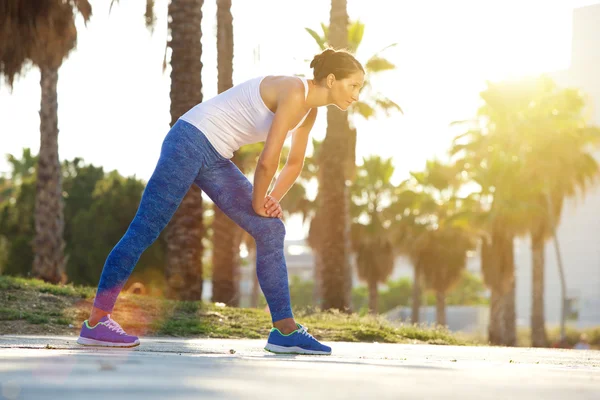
pixel 330 80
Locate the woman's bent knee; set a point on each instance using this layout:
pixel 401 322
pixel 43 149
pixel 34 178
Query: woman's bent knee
pixel 270 230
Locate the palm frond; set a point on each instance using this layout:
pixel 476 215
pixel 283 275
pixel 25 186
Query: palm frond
pixel 388 105
pixel 149 15
pixel 356 32
pixel 379 64
pixel 85 9
pixel 39 33
pixel 363 109
pixel 318 39
pixel 325 29
pixel 382 50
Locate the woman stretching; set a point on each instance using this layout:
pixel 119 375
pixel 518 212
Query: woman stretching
pixel 197 150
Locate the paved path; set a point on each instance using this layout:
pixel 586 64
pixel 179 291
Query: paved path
pixel 166 368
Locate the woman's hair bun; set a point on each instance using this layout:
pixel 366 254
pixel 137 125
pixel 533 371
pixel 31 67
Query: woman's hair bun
pixel 340 63
pixel 319 59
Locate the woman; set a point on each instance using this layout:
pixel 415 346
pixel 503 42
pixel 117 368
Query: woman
pixel 197 150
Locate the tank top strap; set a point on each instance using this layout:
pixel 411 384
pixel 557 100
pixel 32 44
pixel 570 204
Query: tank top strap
pixel 305 83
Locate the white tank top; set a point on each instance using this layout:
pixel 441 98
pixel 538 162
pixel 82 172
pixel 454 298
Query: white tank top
pixel 236 117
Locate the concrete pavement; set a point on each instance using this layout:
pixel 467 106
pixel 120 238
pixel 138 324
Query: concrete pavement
pixel 166 368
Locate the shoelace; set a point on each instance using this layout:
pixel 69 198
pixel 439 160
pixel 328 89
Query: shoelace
pixel 304 331
pixel 114 326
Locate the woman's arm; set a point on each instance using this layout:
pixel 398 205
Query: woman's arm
pixel 287 114
pixel 295 162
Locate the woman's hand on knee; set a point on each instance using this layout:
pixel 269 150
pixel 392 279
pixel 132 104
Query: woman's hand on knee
pixel 273 207
pixel 270 208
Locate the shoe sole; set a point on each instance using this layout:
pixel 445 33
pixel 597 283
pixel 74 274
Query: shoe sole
pixel 99 343
pixel 294 350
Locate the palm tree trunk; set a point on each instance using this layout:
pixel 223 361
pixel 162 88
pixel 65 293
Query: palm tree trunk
pixel 510 316
pixel 185 231
pixel 496 327
pixel 255 283
pixel 350 176
pixel 497 264
pixel 224 45
pixel 49 260
pixel 416 294
pixel 334 205
pixel 373 298
pixel 539 337
pixel 561 270
pixel 183 258
pixel 227 235
pixel 440 307
pixel 507 258
pixel 318 277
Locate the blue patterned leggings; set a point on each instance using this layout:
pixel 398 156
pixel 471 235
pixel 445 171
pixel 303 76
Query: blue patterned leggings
pixel 187 157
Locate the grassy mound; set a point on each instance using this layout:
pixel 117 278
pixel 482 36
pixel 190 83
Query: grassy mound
pixel 29 306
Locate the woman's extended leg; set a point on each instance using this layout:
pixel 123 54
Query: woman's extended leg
pixel 175 172
pixel 231 191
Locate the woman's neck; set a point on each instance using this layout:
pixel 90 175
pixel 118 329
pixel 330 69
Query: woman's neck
pixel 318 95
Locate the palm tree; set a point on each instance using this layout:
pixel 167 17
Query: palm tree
pixel 334 202
pixel 559 166
pixel 43 33
pixel 438 242
pixel 372 240
pixel 530 149
pixel 338 164
pixel 184 232
pixel 227 235
pixel 487 159
pixel 296 202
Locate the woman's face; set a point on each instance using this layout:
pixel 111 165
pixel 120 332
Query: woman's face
pixel 344 92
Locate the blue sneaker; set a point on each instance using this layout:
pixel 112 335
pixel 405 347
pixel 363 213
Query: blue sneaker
pixel 297 342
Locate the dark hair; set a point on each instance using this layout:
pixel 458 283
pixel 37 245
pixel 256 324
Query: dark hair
pixel 340 63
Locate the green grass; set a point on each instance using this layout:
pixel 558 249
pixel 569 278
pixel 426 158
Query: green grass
pixel 35 307
pixel 41 317
pixel 17 283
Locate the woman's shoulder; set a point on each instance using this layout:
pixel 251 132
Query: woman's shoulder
pixel 292 81
pixel 284 86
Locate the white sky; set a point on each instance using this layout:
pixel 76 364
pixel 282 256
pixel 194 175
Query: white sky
pixel 113 98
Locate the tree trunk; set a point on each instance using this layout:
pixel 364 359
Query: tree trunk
pixel 497 264
pixel 227 235
pixel 334 205
pixel 539 337
pixel 48 245
pixel 510 316
pixel 496 327
pixel 416 294
pixel 373 298
pixel 224 45
pixel 561 270
pixel 350 176
pixel 440 308
pixel 318 277
pixel 255 283
pixel 185 231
